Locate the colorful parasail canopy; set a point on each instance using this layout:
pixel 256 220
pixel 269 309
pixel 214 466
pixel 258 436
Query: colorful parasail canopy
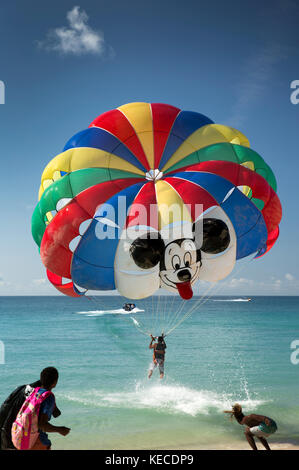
pixel 150 196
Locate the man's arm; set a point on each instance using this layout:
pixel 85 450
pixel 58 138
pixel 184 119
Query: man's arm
pixel 152 346
pixel 44 425
pixel 56 412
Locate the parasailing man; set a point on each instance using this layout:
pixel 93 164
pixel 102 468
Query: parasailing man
pixel 158 355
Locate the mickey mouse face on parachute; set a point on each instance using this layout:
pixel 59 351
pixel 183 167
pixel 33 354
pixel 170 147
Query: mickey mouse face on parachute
pixel 149 261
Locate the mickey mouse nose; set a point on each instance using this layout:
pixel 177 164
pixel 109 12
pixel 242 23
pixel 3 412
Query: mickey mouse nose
pixel 184 275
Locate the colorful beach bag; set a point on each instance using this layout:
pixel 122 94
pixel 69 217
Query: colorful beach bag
pixel 24 431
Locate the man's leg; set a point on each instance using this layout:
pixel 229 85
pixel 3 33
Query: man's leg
pixel 151 369
pixel 250 439
pixel 161 369
pixel 265 443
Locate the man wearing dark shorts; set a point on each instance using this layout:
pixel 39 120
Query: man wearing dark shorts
pixel 158 356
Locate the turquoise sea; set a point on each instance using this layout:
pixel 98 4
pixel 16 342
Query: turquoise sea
pixel 229 350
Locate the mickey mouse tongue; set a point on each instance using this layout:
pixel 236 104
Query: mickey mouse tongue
pixel 185 290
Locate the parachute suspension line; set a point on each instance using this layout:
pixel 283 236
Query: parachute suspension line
pixel 176 315
pixel 169 307
pixel 170 312
pixel 138 327
pixel 92 299
pixel 215 287
pixel 159 314
pixel 163 312
pixel 135 322
pixel 153 315
pixel 189 312
pixel 154 318
pixel 164 318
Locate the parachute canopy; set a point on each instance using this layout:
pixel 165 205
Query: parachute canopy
pixel 150 196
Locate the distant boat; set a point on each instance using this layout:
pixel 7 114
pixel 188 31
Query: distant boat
pixel 128 307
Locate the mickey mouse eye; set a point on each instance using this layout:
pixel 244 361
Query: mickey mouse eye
pixel 147 251
pixel 176 262
pixel 216 236
pixel 187 259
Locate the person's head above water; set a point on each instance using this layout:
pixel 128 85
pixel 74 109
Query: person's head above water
pixel 49 377
pixel 236 411
pixel 160 339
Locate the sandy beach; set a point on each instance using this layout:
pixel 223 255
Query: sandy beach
pixel 244 446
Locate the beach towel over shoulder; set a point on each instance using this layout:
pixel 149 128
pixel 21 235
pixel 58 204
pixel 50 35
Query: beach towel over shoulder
pixel 24 431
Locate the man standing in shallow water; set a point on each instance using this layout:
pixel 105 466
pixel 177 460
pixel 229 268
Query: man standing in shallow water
pixel 257 426
pixel 158 356
pixel 48 379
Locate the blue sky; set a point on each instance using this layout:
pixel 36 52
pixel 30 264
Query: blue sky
pixel 64 63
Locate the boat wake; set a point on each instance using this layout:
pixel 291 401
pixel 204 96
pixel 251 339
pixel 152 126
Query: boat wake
pixel 231 300
pixel 98 313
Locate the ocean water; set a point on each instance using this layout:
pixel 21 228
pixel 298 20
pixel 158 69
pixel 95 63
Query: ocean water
pixel 229 350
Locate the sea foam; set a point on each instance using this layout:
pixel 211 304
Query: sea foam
pixel 165 398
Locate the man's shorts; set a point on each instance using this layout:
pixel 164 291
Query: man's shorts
pixel 158 362
pixel 263 430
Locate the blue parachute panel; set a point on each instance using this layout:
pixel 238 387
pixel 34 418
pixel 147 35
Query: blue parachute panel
pixel 96 250
pixel 95 137
pixel 249 224
pixel 185 124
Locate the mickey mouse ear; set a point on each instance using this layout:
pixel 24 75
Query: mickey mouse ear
pixel 147 250
pixel 215 237
pixel 136 263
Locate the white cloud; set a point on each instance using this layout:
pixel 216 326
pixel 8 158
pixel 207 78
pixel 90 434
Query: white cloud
pixel 39 282
pixel 242 281
pixel 3 282
pixel 77 38
pixel 289 277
